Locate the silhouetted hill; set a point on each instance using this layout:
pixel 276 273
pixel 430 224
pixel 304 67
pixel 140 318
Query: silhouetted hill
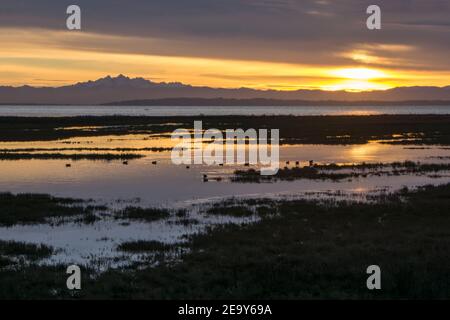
pixel 121 88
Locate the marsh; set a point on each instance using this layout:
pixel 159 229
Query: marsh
pixel 153 218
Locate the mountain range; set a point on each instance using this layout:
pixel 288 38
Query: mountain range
pixel 122 90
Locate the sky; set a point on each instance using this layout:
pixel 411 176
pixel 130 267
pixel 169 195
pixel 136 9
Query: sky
pixel 261 44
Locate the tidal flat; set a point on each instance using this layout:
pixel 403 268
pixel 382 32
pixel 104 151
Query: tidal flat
pixel 102 193
pixel 342 129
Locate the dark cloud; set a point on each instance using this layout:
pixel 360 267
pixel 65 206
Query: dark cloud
pixel 310 31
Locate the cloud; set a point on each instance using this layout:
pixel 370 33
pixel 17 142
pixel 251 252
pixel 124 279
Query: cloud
pixel 414 33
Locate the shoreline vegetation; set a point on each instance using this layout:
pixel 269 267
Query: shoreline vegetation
pixel 153 149
pixel 334 171
pixel 73 157
pixel 307 249
pixel 28 208
pixel 14 253
pixel 328 130
pixel 34 208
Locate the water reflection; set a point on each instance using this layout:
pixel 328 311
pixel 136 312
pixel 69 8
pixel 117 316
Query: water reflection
pixel 166 183
pixel 64 111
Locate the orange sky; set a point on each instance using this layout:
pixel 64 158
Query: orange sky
pixel 53 56
pixel 41 57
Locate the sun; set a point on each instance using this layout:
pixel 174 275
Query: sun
pixel 359 73
pixel 358 79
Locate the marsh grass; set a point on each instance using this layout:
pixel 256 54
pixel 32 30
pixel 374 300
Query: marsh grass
pixel 332 171
pixel 147 246
pixel 43 282
pixel 233 210
pixel 153 149
pixel 310 251
pixel 74 157
pixel 5 262
pixel 144 214
pixel 28 250
pixel 185 222
pixel 37 208
pixel 242 208
pixel 252 175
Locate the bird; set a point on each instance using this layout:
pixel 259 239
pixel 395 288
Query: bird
pixel 125 162
pixel 154 162
pixel 68 165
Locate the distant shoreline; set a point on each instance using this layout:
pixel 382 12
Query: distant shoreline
pixel 221 102
pixel 259 102
pixel 195 110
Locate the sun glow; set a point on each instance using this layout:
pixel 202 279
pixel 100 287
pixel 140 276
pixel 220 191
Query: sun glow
pixel 357 85
pixel 359 79
pixel 366 152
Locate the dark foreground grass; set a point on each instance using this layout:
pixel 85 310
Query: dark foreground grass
pixel 31 251
pixel 143 214
pixel 233 210
pixel 308 250
pixel 39 282
pixel 146 246
pixel 37 208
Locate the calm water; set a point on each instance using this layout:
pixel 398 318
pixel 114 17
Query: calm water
pixel 60 111
pixel 168 184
